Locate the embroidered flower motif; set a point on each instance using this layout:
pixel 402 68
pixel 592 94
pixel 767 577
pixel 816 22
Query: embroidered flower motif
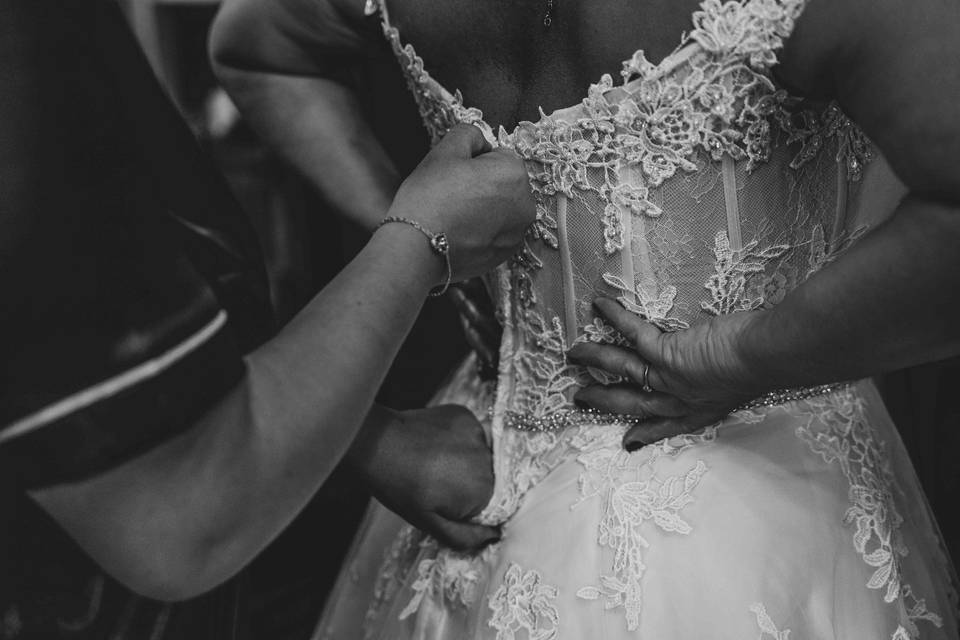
pixel 902 634
pixel 601 332
pixel 442 575
pixel 773 288
pixel 630 506
pixel 835 427
pixel 448 576
pixel 718 100
pixel 766 624
pixel 637 65
pixel 524 603
pixel 813 129
pixel 653 309
pixel 751 29
pixel 728 285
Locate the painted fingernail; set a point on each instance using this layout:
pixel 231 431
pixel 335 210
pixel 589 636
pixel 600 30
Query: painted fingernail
pixel 632 445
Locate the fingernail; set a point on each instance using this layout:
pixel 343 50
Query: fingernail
pixel 632 445
pixel 580 404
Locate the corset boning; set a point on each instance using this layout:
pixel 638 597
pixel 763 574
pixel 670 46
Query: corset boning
pixel 719 238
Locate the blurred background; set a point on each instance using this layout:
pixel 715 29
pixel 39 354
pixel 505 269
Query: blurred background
pixel 305 246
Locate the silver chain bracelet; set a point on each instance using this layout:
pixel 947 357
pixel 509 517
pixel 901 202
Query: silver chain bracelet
pixel 438 244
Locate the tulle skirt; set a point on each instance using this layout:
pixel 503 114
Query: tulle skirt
pixel 804 520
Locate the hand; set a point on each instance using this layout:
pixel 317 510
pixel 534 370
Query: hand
pixel 697 375
pixel 480 199
pixel 480 326
pixel 432 467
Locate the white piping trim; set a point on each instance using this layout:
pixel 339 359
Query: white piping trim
pixel 113 386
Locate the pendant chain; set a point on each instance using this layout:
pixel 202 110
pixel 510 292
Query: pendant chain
pixel 548 16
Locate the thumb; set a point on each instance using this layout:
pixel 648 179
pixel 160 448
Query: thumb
pixel 463 536
pixel 462 141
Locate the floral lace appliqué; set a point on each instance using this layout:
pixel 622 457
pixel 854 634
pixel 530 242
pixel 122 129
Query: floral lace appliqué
pixel 728 285
pixel 835 427
pixel 524 603
pixel 768 630
pixel 652 308
pixel 630 506
pixel 451 577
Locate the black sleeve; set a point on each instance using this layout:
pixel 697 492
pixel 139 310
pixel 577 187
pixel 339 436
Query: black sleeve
pixel 129 284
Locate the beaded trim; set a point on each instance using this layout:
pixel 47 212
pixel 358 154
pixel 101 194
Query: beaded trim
pixel 566 418
pixel 783 396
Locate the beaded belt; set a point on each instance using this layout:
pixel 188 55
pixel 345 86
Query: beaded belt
pixel 565 418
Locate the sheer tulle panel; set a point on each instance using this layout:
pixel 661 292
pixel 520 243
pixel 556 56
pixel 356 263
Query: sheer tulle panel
pixel 680 242
pixel 593 254
pixel 788 216
pixel 875 197
pixel 547 283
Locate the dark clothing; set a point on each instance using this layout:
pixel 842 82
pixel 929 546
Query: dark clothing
pixel 130 287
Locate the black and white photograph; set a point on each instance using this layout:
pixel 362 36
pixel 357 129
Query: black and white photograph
pixel 479 319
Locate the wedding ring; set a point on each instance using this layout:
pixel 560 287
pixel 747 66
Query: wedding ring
pixel 646 379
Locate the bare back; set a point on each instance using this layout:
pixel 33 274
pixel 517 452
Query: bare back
pixel 507 63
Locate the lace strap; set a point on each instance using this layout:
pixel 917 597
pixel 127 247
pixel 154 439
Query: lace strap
pixel 751 30
pixel 373 7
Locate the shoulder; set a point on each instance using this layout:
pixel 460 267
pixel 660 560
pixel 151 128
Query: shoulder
pixel 283 32
pixel 892 65
pixel 831 33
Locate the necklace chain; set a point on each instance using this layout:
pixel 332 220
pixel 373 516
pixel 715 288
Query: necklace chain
pixel 548 16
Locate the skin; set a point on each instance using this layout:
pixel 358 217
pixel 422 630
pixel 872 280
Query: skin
pixel 893 65
pixel 190 513
pixel 895 68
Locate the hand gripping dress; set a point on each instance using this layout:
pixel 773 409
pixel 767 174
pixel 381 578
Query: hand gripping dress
pixel 695 187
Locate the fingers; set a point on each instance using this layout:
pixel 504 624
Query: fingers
pixel 644 336
pixel 657 429
pixel 629 400
pixel 475 291
pixel 463 536
pixel 463 141
pixel 480 344
pixel 482 320
pixel 611 358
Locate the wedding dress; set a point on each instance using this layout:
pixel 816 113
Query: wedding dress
pixel 697 187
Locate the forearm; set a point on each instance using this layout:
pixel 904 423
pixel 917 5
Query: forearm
pixel 885 304
pixel 192 512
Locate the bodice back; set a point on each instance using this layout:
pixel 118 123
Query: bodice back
pixel 698 187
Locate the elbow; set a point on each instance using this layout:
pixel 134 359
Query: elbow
pixel 165 586
pixel 170 574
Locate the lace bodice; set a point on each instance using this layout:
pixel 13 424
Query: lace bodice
pixel 696 187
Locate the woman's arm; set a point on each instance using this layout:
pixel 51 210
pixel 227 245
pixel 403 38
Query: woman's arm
pixel 887 303
pixel 894 66
pixel 190 513
pixel 287 64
